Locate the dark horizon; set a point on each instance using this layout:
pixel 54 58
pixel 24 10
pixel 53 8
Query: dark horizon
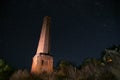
pixel 79 29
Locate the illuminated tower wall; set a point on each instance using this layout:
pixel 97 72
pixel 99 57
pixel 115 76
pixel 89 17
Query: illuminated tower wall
pixel 43 61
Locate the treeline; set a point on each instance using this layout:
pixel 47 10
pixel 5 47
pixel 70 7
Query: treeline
pixel 105 68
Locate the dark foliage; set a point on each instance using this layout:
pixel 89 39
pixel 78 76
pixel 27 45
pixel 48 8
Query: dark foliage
pixel 105 68
pixel 5 70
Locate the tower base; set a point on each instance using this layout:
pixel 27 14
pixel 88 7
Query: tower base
pixel 42 63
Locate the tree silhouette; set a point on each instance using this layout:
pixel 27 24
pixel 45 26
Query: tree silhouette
pixel 5 70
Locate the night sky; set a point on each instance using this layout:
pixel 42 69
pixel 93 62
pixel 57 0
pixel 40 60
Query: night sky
pixel 79 29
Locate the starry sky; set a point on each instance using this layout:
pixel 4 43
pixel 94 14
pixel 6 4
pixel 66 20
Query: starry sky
pixel 80 29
